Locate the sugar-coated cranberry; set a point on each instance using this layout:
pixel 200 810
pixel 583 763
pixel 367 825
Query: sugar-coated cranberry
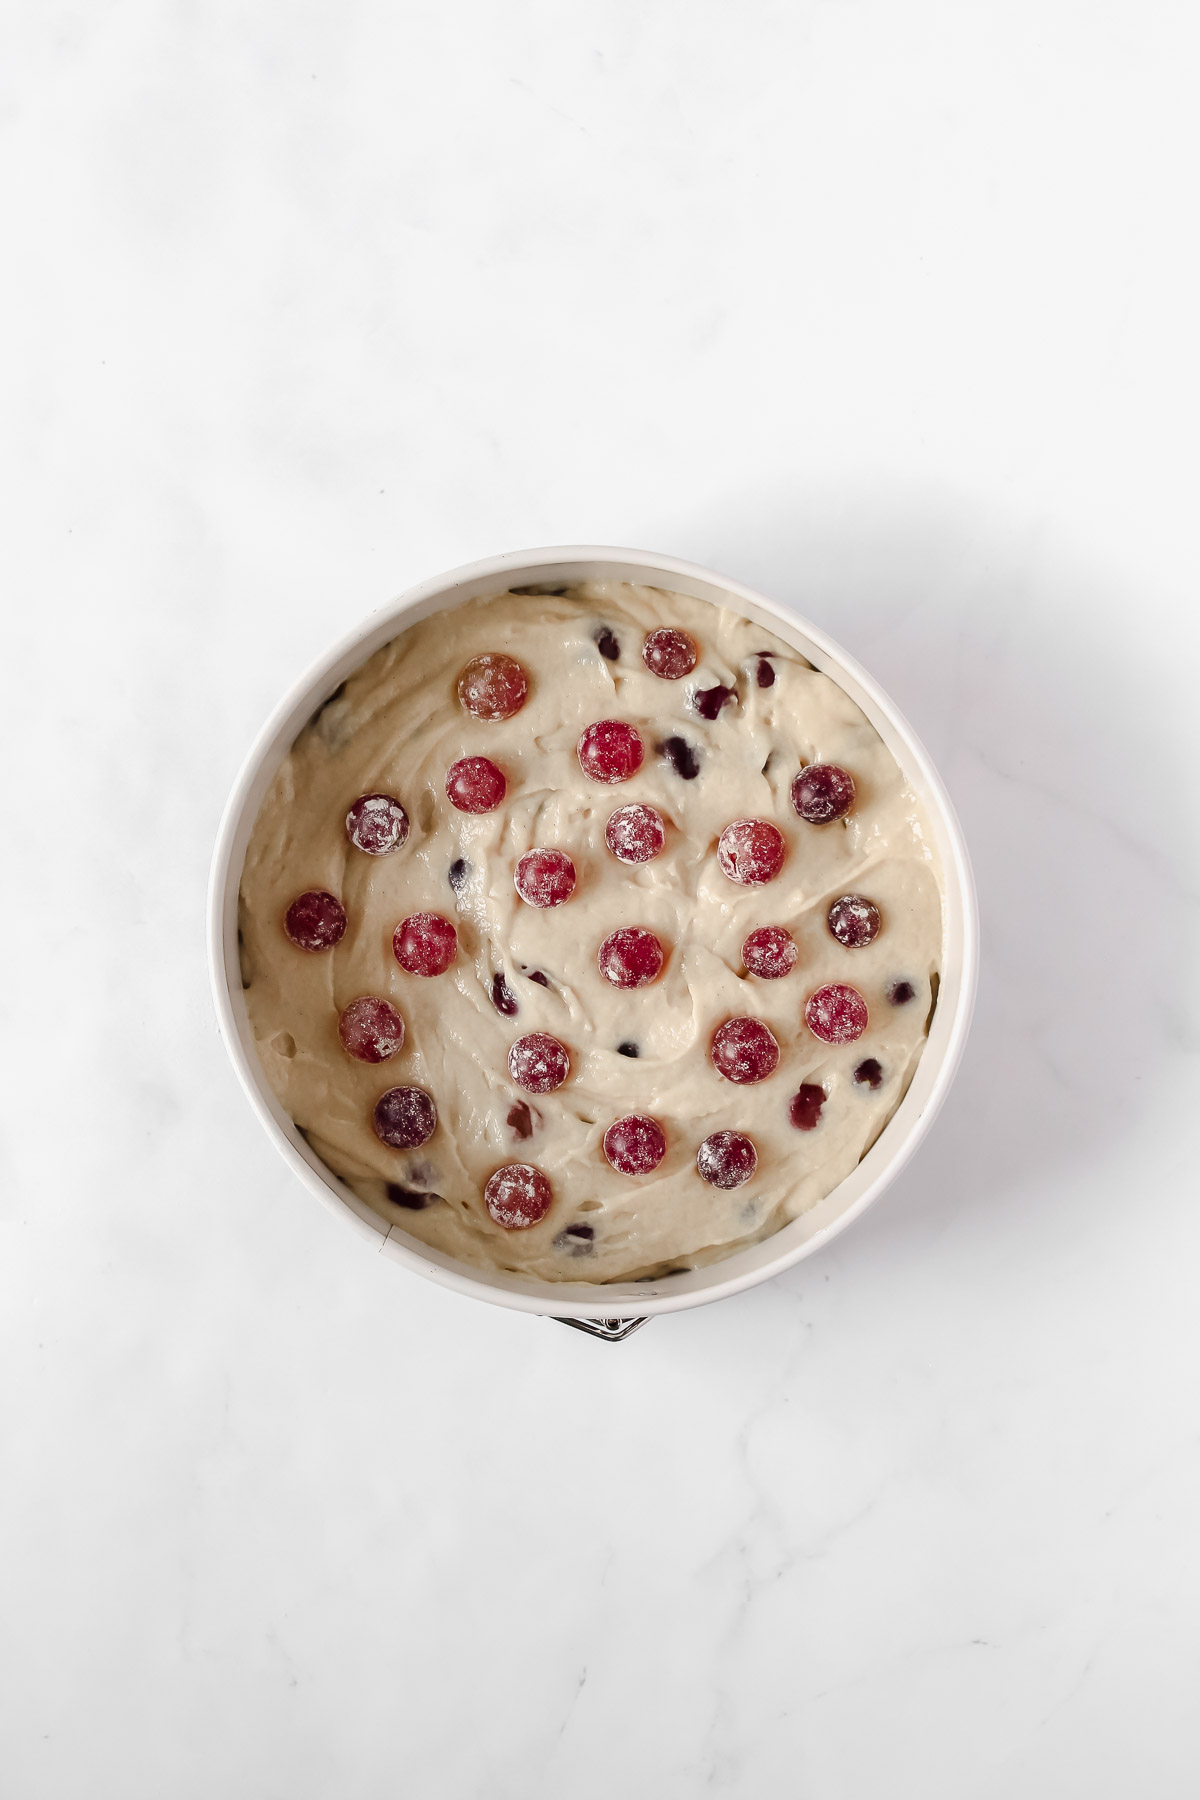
pixel 769 952
pixel 744 1050
pixel 823 792
pixel 751 851
pixel 901 992
pixel 518 1196
pixel 425 944
pixel 837 1014
pixel 545 877
pixel 683 759
pixel 371 1029
pixel 804 1108
pixel 765 674
pixel 709 701
pixel 630 957
pixel 635 1145
pixel 727 1159
pixel 869 1073
pixel 492 686
pixel 415 1199
pixel 610 750
pixel 539 1063
pixel 854 920
pixel 405 1117
pixel 635 834
pixel 316 920
pixel 669 654
pixel 520 1120
pixel 475 785
pixel 607 644
pixel 503 998
pixel 376 823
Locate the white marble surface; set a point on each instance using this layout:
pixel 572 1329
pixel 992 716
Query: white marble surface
pixel 891 310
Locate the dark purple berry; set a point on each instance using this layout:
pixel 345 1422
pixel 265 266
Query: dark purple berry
pixel 709 701
pixel 766 674
pixel 869 1073
pixel 503 998
pixel 682 758
pixel 901 992
pixel 607 644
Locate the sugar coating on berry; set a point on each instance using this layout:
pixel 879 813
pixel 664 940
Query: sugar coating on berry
pixel 631 957
pixel 517 1196
pixel 837 1014
pixel 854 920
pixel 669 654
pixel 539 1063
pixel 804 1108
pixel 475 785
pixel 492 686
pixel 425 944
pixel 751 851
pixel 823 792
pixel 377 824
pixel 635 1145
pixel 315 920
pixel 769 952
pixel 405 1117
pixel 635 834
pixel 610 751
pixel 744 1050
pixel 371 1029
pixel 726 1159
pixel 545 877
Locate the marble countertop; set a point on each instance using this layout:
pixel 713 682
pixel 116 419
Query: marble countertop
pixel 892 313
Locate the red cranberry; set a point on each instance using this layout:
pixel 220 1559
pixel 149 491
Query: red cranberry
pixel 744 1050
pixel 630 957
pixel 609 751
pixel 475 785
pixel 492 686
pixel 901 992
pixel 837 1014
pixel 669 654
pixel 425 944
pixel 869 1073
pixel 854 920
pixel 377 824
pixel 315 921
pixel 823 792
pixel 635 1145
pixel 545 877
pixel 405 1117
pixel 765 673
pixel 769 952
pixel 518 1196
pixel 539 1063
pixel 635 834
pixel 804 1108
pixel 370 1029
pixel 751 851
pixel 709 701
pixel 726 1159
